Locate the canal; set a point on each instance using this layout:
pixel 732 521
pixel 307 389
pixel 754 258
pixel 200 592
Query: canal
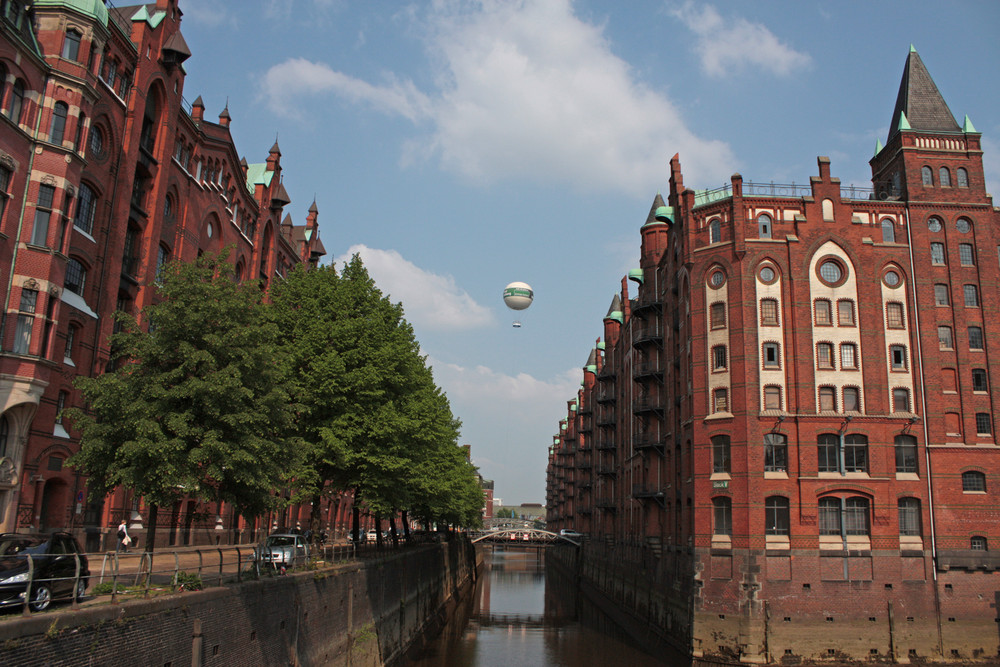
pixel 527 612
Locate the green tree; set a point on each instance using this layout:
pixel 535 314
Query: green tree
pixel 196 406
pixel 371 412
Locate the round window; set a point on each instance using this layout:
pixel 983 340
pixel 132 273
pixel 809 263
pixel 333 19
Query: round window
pixel 718 278
pixel 963 225
pixel 767 275
pixel 891 279
pixel 831 272
pixel 934 225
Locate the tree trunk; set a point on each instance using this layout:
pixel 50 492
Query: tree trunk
pixel 151 532
pixel 355 522
pixel 403 519
pixel 392 530
pixel 315 520
pixel 378 531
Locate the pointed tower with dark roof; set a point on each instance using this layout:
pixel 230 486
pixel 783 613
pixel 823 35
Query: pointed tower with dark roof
pixel 928 156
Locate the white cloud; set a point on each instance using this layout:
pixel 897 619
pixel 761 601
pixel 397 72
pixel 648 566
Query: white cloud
pixel 525 91
pixel 209 12
pixel 431 302
pixel 729 45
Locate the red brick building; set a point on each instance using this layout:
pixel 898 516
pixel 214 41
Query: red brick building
pixel 789 425
pixel 106 172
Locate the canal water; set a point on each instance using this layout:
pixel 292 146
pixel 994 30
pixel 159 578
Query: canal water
pixel 524 613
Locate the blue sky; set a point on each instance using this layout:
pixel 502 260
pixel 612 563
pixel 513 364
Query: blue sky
pixel 460 145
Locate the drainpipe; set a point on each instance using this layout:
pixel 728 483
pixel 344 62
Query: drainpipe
pixel 927 453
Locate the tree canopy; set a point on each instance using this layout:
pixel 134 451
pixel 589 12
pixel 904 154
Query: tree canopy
pixel 195 405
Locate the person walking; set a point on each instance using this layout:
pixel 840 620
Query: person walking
pixel 123 539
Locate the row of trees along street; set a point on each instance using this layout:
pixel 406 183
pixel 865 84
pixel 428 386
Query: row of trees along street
pixel 222 393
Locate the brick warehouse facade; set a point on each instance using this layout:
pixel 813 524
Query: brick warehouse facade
pixel 105 173
pixel 789 427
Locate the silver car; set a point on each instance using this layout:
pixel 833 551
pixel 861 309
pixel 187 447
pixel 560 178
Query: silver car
pixel 282 551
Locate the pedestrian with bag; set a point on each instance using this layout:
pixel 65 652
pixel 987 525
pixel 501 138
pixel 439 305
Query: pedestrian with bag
pixel 123 539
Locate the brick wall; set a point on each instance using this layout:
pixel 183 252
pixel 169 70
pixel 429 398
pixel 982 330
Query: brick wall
pixel 357 614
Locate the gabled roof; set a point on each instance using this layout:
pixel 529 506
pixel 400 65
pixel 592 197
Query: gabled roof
pixel 920 102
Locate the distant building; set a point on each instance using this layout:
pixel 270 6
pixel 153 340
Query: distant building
pixel 791 418
pixel 106 172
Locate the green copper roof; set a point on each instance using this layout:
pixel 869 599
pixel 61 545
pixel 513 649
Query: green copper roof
pixel 967 125
pixel 257 174
pixel 665 214
pixel 878 146
pixel 152 19
pixel 638 275
pixel 903 123
pixel 617 316
pixel 601 345
pixel 93 8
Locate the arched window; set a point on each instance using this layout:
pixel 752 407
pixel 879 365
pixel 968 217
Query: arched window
pixel 4 434
pixel 776 516
pixel 927 176
pixel 775 452
pixel 162 257
pixel 722 509
pixel 76 276
pixel 95 141
pixel 71 45
pixel 86 205
pixel 962 176
pixel 715 231
pixel 721 462
pixel 764 225
pixel 944 176
pixel 909 516
pixel 888 231
pixel 57 129
pixel 829 516
pixel 3 81
pixel 16 102
pixel 71 334
pixel 857 516
pixel 855 453
pixel 81 125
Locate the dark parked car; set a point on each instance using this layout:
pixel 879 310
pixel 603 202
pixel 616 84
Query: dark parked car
pixel 54 574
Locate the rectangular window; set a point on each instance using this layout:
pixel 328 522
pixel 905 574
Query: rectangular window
pixel 824 355
pixel 25 321
pixel 771 355
pixel 984 423
pixel 944 338
pixel 776 517
pixel 852 400
pixel 855 453
pixel 856 516
pixel 971 296
pixel 823 314
pixel 829 516
pixel 906 454
pixel 901 400
pixel 827 399
pixel 897 357
pixel 719 358
pixel 975 338
pixel 937 253
pixel 5 175
pixel 769 312
pixel 60 406
pixel 909 517
pixel 772 397
pixel 941 295
pixel 848 356
pixel 894 316
pixel 845 313
pixel 828 453
pixel 966 254
pixel 43 212
pixel 723 516
pixel 721 404
pixel 70 337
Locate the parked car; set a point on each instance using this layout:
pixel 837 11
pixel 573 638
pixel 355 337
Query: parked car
pixel 372 535
pixel 54 574
pixel 282 551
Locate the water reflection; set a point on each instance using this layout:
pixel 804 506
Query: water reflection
pixel 524 613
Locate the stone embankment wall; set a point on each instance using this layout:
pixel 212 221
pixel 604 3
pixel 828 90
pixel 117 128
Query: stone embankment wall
pixel 663 606
pixel 360 614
